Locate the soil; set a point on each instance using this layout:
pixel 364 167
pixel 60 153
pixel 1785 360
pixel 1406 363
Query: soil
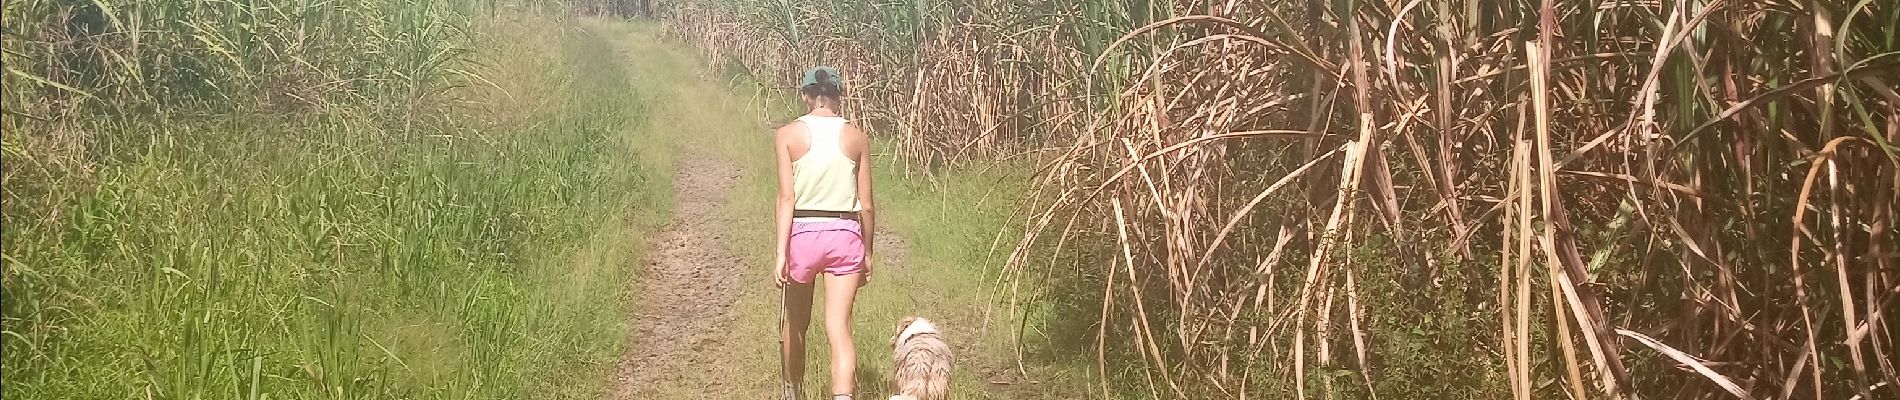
pixel 686 294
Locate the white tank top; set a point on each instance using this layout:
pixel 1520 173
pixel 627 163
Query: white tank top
pixel 825 179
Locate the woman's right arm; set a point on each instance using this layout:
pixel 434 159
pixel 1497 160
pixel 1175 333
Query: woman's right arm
pixel 867 213
pixel 786 201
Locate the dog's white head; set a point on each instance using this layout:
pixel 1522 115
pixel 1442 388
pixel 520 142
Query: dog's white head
pixel 912 326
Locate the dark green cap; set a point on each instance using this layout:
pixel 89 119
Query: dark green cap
pixel 811 76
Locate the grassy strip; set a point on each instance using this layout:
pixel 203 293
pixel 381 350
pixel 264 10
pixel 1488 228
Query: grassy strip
pixel 333 254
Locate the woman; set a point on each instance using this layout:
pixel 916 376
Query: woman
pixel 824 228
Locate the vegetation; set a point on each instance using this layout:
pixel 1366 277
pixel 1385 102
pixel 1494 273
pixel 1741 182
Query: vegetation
pixel 1415 198
pixel 296 199
pixel 1419 198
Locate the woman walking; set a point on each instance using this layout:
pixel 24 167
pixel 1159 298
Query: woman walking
pixel 824 228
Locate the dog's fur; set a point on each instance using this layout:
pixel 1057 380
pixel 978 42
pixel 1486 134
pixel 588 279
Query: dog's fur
pixel 923 361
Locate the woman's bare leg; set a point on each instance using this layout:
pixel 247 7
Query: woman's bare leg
pixel 840 293
pixel 797 311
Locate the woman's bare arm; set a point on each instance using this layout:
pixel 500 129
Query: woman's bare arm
pixel 867 217
pixel 786 201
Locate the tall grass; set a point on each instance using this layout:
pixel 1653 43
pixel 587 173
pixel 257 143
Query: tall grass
pixel 186 56
pixel 1423 198
pixel 313 200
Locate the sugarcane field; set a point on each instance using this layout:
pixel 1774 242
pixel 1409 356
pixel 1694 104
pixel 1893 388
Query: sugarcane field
pixel 935 199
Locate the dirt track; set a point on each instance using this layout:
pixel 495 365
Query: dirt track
pixel 685 295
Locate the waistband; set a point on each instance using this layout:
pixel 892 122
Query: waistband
pixel 827 225
pixel 852 215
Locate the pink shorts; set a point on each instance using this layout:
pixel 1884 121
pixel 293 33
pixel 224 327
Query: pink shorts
pixel 835 247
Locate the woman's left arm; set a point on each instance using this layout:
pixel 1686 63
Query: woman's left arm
pixel 867 215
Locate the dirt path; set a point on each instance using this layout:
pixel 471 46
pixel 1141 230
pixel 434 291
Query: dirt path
pixel 686 293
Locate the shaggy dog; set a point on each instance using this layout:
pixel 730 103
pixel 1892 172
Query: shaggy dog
pixel 923 361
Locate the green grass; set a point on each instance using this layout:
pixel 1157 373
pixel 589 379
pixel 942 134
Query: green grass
pixel 73 58
pixel 478 251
